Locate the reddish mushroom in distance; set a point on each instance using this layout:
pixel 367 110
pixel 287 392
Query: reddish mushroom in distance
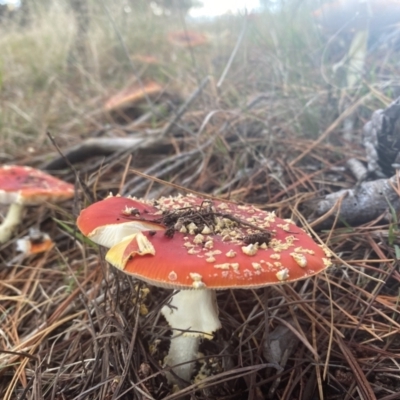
pixel 146 59
pixel 132 95
pixel 25 186
pixel 209 245
pixel 187 39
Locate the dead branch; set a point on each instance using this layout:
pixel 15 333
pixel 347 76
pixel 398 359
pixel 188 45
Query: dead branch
pixel 360 204
pixel 367 200
pixel 100 147
pixel 381 139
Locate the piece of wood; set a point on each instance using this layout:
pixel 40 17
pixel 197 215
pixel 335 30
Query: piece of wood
pixel 358 205
pixel 381 139
pixel 367 200
pixel 99 147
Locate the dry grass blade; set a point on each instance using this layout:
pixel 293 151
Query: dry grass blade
pixel 363 384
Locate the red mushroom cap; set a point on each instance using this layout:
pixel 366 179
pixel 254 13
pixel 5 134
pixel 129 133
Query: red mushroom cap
pixel 26 185
pixel 187 38
pixel 109 221
pixel 236 246
pixel 146 59
pixel 132 95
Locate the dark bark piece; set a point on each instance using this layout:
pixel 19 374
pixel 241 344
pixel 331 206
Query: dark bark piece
pixel 381 139
pixel 280 344
pixel 98 147
pixel 367 200
pixel 360 204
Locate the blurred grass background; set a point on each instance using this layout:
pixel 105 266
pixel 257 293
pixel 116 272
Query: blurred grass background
pixel 57 65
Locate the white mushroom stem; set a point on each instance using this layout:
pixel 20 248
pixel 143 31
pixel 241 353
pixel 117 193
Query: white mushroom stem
pixel 10 222
pixel 192 315
pixel 183 349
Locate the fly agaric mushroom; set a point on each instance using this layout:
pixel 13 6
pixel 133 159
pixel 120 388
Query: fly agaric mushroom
pixel 21 186
pixel 187 39
pixel 210 245
pixel 146 59
pixel 132 95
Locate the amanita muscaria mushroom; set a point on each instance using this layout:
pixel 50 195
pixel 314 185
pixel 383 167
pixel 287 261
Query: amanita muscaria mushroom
pixel 132 95
pixel 25 186
pixel 205 246
pixel 146 59
pixel 187 38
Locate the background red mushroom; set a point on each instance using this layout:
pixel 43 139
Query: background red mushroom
pixel 25 186
pixel 132 95
pixel 187 38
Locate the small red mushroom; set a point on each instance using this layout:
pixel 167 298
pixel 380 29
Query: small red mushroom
pixel 208 245
pixel 187 38
pixel 21 186
pixel 146 59
pixel 132 95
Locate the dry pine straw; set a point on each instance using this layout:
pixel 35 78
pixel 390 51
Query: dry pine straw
pixel 73 328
